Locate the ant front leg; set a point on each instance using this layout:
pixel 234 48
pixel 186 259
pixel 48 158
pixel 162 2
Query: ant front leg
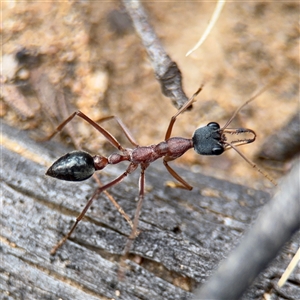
pixel 184 185
pixel 181 110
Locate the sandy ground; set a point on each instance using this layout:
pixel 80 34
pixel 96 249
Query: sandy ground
pixel 85 56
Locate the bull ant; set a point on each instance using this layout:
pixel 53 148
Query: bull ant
pixel 80 165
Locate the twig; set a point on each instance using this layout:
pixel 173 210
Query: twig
pixel 211 24
pixel 292 265
pixel 166 70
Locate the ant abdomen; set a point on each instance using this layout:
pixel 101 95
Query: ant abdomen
pixel 73 166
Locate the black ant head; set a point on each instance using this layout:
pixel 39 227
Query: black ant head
pixel 74 166
pixel 208 140
pixel 211 139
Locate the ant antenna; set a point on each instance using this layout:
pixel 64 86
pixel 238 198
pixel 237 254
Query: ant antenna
pixel 247 102
pixel 237 143
pixel 251 163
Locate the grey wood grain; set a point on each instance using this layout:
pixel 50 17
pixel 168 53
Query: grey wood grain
pixel 184 234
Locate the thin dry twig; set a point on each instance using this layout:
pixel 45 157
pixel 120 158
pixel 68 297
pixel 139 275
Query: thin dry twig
pixel 292 265
pixel 210 26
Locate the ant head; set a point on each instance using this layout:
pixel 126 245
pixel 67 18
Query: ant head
pixel 207 140
pixel 74 166
pixel 211 139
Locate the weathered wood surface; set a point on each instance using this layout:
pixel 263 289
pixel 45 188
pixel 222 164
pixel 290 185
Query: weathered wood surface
pixel 184 234
pixel 276 224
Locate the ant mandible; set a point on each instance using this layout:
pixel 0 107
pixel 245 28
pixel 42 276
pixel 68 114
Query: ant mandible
pixel 80 165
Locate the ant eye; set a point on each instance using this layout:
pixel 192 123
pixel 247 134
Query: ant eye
pixel 217 150
pixel 213 125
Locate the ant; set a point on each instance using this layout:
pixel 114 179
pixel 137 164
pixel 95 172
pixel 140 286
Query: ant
pixel 80 165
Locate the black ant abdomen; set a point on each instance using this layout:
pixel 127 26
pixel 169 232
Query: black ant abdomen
pixel 73 166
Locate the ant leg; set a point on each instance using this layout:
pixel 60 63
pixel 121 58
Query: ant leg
pixel 134 231
pixel 184 185
pixel 115 203
pixel 123 127
pixel 99 190
pixel 103 131
pixel 59 127
pixel 181 110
